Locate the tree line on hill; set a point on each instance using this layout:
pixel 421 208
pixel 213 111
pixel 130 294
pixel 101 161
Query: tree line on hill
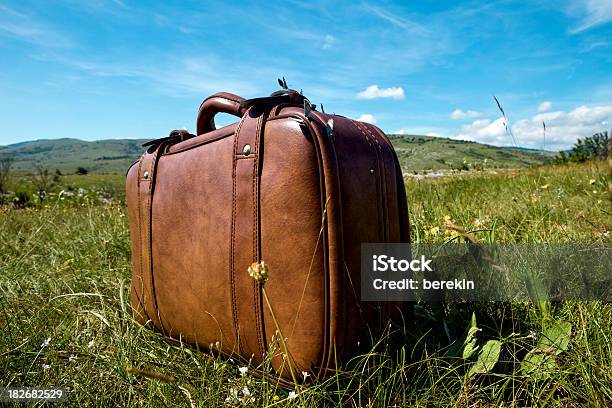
pixel 590 148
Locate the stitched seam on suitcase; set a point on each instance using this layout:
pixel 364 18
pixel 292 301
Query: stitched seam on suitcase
pixel 142 237
pixel 148 234
pixel 383 178
pixel 152 178
pixel 383 181
pixel 339 243
pixel 139 224
pixel 147 243
pixel 256 285
pixel 380 190
pixel 318 133
pixel 144 223
pixel 233 243
pixel 397 178
pixel 379 184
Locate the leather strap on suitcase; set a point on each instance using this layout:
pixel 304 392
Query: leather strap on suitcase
pixel 245 247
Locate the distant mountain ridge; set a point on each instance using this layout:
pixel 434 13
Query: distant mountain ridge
pixel 415 153
pixel 66 155
pixel 19 143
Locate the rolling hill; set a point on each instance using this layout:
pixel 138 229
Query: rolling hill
pixel 419 153
pixel 416 154
pixel 103 156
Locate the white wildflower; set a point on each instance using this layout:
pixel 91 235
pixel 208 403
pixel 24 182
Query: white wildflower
pixel 292 395
pixel 90 344
pixel 243 370
pixel 233 396
pixel 46 342
pixel 305 374
pixel 46 366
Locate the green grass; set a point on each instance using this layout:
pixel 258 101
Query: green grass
pixel 97 186
pixel 560 204
pixel 64 276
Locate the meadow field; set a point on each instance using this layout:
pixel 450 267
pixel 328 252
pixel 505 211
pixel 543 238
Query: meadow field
pixel 65 316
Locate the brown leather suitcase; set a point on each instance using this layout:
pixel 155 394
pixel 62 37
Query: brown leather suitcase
pixel 286 184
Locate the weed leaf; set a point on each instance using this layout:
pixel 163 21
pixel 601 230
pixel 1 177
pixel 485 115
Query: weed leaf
pixel 470 341
pixel 556 336
pixel 538 365
pixel 540 361
pixel 487 358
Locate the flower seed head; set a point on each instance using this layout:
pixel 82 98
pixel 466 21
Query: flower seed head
pixel 259 272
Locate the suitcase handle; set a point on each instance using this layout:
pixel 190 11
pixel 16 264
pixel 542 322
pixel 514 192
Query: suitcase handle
pixel 220 102
pixel 288 96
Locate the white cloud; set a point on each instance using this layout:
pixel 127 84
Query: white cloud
pixel 368 118
pixel 485 130
pixel 545 106
pixel 593 13
pixel 194 76
pixel 562 128
pixel 328 41
pixel 459 114
pixel 422 130
pixel 396 20
pixel 23 27
pixel 119 3
pixel 374 92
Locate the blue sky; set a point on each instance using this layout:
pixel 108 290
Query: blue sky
pixel 106 69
